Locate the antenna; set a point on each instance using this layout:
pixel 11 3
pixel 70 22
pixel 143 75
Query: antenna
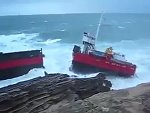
pixel 98 27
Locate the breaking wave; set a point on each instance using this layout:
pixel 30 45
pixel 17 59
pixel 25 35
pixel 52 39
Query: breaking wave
pixel 49 41
pixel 16 42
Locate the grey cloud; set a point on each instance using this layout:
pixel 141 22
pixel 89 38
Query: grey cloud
pixel 8 7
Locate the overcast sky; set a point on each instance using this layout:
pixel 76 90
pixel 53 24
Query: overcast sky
pixel 27 7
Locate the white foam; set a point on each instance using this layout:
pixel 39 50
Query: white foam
pixel 45 21
pixel 121 27
pixel 31 74
pixel 57 58
pixel 16 42
pixel 49 41
pixel 62 30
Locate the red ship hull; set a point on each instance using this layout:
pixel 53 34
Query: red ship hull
pixel 90 63
pixel 18 63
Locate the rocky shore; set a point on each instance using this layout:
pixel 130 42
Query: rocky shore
pixel 60 93
pixel 43 93
pixel 132 100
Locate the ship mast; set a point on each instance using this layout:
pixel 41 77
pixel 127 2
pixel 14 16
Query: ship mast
pixel 89 41
pixel 98 27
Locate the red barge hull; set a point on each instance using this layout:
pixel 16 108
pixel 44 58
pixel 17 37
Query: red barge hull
pixel 19 63
pixel 89 63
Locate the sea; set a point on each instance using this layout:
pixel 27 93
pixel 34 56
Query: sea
pixel 57 34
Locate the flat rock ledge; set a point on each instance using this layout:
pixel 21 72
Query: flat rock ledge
pixel 49 94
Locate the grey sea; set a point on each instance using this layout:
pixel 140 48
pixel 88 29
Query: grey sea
pixel 56 34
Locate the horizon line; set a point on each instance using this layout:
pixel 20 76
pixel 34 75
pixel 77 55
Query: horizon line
pixel 73 13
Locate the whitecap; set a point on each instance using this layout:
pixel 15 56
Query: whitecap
pixel 16 42
pixel 62 30
pixel 121 27
pixel 49 41
pixel 45 21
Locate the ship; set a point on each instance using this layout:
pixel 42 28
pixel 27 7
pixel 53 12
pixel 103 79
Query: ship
pixel 14 64
pixel 89 60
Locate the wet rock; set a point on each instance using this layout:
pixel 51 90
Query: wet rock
pixel 48 93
